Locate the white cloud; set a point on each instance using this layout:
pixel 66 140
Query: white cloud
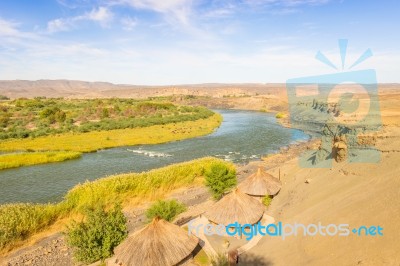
pixel 8 28
pixel 101 15
pixel 128 23
pixel 58 25
pixel 179 10
pixel 159 6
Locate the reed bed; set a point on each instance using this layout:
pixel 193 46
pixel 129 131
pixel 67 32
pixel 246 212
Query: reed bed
pixel 31 158
pixel 95 140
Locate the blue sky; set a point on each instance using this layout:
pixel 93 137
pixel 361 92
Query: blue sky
pixel 193 41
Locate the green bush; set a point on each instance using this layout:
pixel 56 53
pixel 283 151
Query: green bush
pixel 267 200
pixel 48 112
pixel 280 115
pixel 95 238
pixel 220 178
pixel 165 209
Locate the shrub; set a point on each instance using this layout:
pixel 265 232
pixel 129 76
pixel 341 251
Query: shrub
pixel 220 178
pixel 48 112
pixel 280 115
pixel 220 259
pixel 95 238
pixel 60 116
pixel 4 119
pixel 165 209
pixel 267 200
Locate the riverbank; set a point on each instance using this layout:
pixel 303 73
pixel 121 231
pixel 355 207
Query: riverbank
pixel 242 136
pixel 93 141
pixel 19 222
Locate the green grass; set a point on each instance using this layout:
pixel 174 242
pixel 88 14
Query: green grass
pixel 20 221
pixel 134 188
pixel 32 158
pixel 92 141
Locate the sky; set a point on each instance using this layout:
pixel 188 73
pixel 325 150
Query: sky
pixel 165 42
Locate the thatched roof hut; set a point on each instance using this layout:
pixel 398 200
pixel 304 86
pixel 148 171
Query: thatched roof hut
pixel 159 243
pixel 236 207
pixel 260 184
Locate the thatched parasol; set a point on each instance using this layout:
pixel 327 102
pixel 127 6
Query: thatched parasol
pixel 159 243
pixel 236 207
pixel 260 184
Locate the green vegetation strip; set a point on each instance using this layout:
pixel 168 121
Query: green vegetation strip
pixel 30 158
pixel 23 118
pixel 20 221
pixel 92 141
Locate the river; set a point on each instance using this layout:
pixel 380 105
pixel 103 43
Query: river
pixel 242 136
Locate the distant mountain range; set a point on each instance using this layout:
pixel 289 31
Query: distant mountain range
pixel 83 89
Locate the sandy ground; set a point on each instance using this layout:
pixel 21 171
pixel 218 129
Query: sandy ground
pixel 350 193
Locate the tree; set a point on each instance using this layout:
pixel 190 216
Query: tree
pixel 220 178
pixel 165 209
pixel 95 238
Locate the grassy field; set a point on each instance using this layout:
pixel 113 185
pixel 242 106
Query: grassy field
pixel 20 221
pixel 92 141
pixel 31 158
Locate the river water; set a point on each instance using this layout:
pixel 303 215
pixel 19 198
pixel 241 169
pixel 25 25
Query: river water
pixel 242 136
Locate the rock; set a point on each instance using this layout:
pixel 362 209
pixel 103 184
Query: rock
pixel 308 181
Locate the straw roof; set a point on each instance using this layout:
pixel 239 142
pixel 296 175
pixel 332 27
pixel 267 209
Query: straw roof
pixel 236 207
pixel 260 184
pixel 159 243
